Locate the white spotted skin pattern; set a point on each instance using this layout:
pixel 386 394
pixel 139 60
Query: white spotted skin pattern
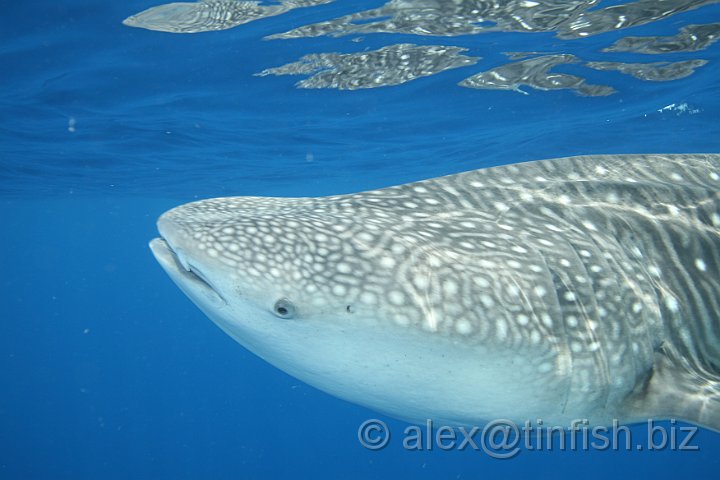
pixel 576 270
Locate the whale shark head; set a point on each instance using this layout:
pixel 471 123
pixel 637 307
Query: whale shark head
pixel 315 287
pixel 259 267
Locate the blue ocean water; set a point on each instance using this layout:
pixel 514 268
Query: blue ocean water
pixel 108 370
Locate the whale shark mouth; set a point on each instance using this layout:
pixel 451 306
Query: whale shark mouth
pixel 175 261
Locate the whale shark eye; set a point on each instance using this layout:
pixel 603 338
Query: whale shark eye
pixel 284 308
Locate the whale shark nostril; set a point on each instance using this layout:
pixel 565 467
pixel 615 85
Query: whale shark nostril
pixel 182 259
pixel 194 271
pixel 182 264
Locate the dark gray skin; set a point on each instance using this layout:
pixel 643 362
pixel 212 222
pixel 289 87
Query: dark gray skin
pixel 573 288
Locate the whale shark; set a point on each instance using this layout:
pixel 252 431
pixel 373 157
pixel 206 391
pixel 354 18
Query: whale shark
pixel 574 288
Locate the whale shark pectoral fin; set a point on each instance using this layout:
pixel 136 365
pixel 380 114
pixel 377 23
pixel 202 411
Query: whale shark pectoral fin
pixel 678 388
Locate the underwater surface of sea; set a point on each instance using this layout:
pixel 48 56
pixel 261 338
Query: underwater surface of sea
pixel 111 113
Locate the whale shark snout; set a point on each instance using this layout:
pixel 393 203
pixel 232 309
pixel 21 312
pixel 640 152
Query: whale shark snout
pixel 183 260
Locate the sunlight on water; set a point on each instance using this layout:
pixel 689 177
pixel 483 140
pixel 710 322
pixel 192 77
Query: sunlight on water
pixel 448 18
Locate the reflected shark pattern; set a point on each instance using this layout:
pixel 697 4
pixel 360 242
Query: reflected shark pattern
pixel 400 63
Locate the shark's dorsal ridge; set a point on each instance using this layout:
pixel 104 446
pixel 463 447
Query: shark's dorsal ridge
pixel 581 287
